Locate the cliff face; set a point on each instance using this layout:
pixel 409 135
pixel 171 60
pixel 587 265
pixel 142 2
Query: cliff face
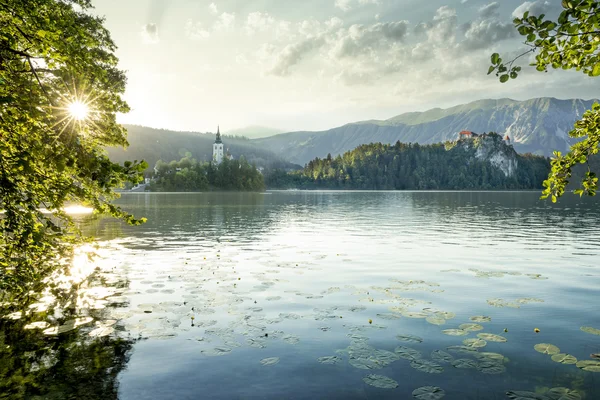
pixel 491 147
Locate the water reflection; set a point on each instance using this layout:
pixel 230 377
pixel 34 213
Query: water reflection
pixel 352 295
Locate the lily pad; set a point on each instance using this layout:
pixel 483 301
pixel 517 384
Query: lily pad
pixel 428 393
pixel 380 381
pixel 564 358
pixel 480 318
pixel 329 360
pixel 491 367
pixel 427 366
pixel 589 329
pixel 461 349
pixel 490 337
pixel 563 393
pixel 470 327
pixel 523 395
pixel 269 361
pixel 291 339
pixel 409 338
pixel 441 356
pixel 217 351
pixel 589 365
pixel 407 353
pixel 435 320
pixel 389 316
pixel 475 343
pixel 455 332
pixel 413 314
pixel 464 363
pixel 546 348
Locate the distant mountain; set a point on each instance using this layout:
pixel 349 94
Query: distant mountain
pixel 152 145
pixel 539 126
pixel 255 132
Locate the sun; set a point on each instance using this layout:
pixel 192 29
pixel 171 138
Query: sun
pixel 78 110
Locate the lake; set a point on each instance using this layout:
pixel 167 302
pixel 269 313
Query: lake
pixel 327 295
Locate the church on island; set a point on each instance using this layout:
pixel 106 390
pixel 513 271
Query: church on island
pixel 218 149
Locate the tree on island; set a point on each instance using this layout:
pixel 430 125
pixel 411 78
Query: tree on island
pixel 570 42
pixel 60 90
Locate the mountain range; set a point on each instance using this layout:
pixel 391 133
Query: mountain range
pixel 538 126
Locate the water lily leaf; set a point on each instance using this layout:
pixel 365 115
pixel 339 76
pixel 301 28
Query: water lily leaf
pixel 380 381
pixel 461 349
pixel 427 366
pixel 589 329
pixel 470 327
pixel 464 363
pixel 441 356
pixel 428 393
pixel 490 337
pixel 389 316
pixel 521 395
pixel 407 353
pixel 329 360
pixel 365 363
pixel 269 361
pixel 563 393
pixel 480 318
pixel 414 314
pixel 564 358
pixel 102 331
pixel 455 332
pixel 409 338
pixel 475 343
pixel 491 367
pixel 435 320
pixel 217 351
pixel 385 357
pixel 546 348
pixel 487 356
pixel 589 365
pixel 37 325
pixel 291 339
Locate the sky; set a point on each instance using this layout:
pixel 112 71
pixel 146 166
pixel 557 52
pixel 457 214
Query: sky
pixel 317 64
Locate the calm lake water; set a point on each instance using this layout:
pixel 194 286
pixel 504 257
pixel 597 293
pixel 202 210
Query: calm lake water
pixel 333 295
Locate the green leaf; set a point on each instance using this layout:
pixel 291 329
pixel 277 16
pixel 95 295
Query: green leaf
pixel 491 69
pixel 595 70
pixel 504 78
pixel 495 58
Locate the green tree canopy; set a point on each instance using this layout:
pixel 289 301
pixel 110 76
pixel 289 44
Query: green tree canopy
pixel 571 42
pixel 60 90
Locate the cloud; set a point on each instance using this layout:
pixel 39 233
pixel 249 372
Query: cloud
pixel 150 33
pixel 534 7
pixel 292 54
pixel 225 22
pixel 484 33
pixel 347 5
pixel 195 31
pixel 213 9
pixel 360 39
pixel 258 22
pixel 489 10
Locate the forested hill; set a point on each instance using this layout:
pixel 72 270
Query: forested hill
pixel 539 126
pixel 484 163
pixel 152 145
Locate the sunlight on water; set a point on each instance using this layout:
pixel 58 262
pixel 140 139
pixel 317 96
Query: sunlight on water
pixel 342 295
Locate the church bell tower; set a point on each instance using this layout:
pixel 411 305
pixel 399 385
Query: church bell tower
pixel 218 148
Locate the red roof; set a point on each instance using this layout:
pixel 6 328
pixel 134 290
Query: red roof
pixel 466 133
pixel 506 138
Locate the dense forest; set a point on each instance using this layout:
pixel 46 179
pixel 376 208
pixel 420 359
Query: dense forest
pixel 189 175
pixel 151 145
pixel 402 166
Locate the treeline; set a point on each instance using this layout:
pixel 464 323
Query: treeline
pixel 402 166
pixel 189 175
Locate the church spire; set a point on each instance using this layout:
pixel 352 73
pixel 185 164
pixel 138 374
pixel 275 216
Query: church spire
pixel 218 140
